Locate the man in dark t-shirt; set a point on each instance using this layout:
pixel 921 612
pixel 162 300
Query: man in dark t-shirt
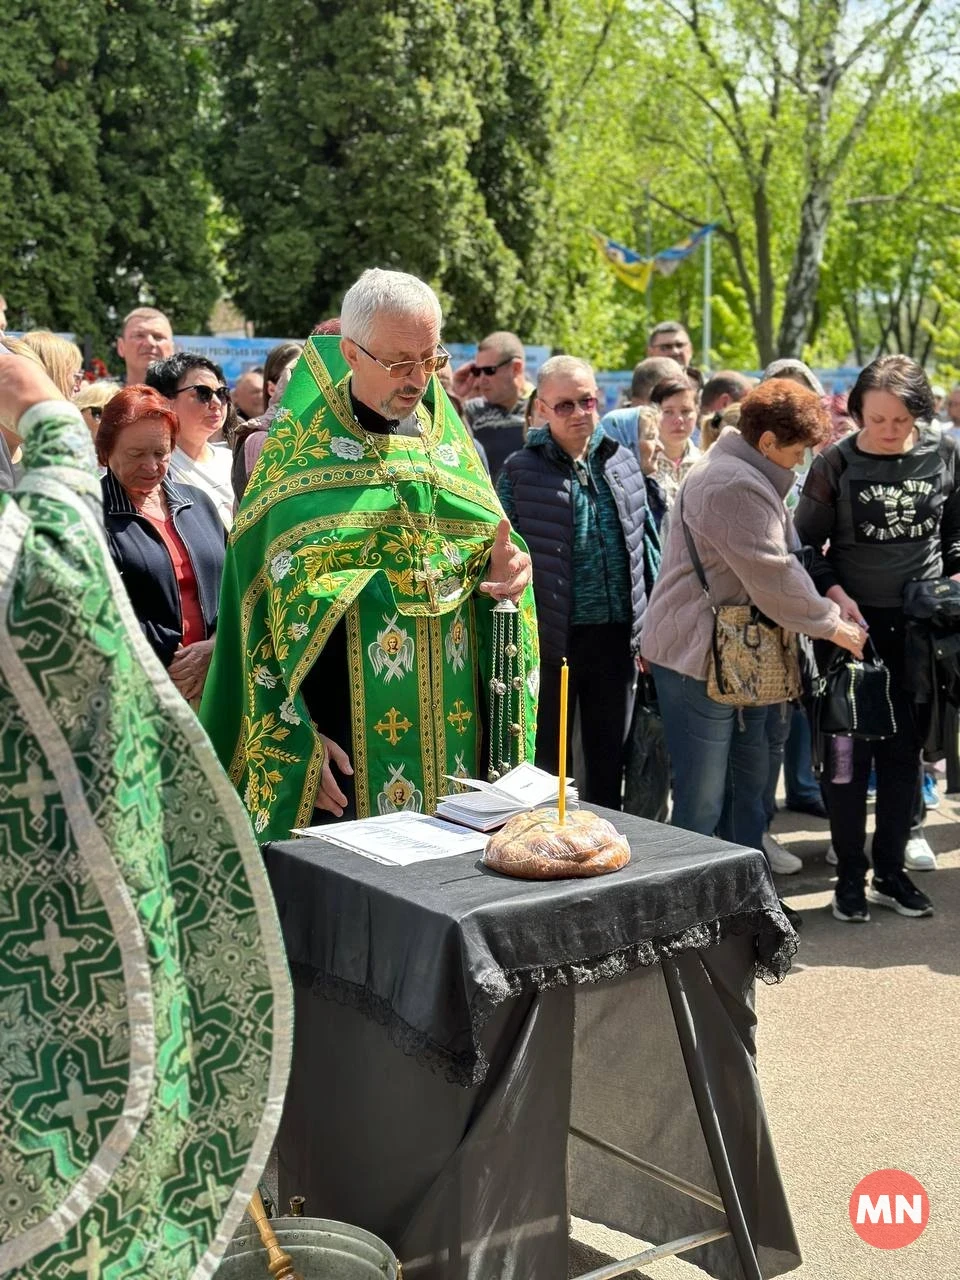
pixel 496 416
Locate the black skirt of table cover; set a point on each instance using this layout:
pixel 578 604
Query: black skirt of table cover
pixel 430 950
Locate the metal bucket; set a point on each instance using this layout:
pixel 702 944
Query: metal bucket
pixel 320 1248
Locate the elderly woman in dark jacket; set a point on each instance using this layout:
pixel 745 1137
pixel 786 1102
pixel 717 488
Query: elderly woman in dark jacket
pixel 167 540
pixel 885 503
pixel 578 500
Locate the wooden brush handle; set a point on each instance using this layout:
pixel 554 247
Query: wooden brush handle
pixel 279 1262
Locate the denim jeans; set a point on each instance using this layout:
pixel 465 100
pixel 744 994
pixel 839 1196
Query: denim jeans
pixel 777 730
pixel 798 778
pixel 719 758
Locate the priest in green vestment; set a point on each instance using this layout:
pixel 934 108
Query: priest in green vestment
pixel 358 636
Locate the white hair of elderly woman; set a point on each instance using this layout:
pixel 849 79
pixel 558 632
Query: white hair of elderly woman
pixel 394 293
pixel 557 365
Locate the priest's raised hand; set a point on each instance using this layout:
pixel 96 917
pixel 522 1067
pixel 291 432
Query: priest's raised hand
pixel 511 569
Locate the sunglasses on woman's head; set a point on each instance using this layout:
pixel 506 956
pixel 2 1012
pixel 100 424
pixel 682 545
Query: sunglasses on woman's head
pixel 95 411
pixel 205 394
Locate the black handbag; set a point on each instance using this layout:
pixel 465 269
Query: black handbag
pixel 935 601
pixel 646 789
pixel 853 697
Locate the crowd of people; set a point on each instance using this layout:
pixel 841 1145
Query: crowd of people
pixel 817 509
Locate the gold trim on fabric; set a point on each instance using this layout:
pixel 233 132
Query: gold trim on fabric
pixel 428 741
pixel 356 519
pixel 321 635
pixel 361 772
pixel 238 762
pixel 479 683
pixel 439 725
pixel 522 698
pixel 345 477
pixel 311 783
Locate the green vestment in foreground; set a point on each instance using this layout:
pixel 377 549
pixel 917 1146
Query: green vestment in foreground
pixel 391 534
pixel 145 1013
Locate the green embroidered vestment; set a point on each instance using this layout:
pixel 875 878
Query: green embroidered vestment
pixel 392 536
pixel 145 1009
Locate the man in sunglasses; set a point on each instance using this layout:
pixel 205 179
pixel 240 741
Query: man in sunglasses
pixel 496 414
pixel 354 641
pixel 579 500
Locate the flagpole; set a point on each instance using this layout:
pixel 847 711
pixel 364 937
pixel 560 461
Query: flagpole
pixel 649 258
pixel 708 274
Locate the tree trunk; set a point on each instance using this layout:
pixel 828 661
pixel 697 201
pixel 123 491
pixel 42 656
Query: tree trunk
pixel 763 327
pixel 804 280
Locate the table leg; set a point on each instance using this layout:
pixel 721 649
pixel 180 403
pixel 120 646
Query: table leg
pixel 709 1124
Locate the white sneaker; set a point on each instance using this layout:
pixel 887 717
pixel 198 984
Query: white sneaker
pixel 918 856
pixel 832 858
pixel 782 861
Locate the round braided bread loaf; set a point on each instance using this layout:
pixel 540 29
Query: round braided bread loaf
pixel 534 846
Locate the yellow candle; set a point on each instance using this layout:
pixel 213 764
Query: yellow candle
pixel 562 800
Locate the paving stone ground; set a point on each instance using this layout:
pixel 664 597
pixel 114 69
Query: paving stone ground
pixel 859 1051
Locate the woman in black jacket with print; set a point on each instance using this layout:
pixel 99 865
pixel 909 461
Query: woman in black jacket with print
pixel 884 502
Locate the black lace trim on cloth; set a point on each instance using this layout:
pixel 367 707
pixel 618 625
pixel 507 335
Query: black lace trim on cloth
pixel 777 944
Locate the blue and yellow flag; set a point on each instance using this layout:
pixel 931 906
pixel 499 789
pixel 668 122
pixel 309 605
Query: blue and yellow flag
pixel 629 267
pixel 636 271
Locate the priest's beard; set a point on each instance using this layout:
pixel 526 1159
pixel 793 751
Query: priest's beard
pixel 394 407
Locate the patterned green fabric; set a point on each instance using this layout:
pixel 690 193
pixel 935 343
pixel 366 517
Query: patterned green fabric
pixel 145 1014
pixel 322 534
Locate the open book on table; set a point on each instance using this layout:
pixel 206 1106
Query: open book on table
pixel 488 805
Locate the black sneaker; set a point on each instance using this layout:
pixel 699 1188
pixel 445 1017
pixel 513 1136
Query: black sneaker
pixel 850 904
pixel 899 892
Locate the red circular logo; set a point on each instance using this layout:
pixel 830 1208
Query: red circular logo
pixel 889 1209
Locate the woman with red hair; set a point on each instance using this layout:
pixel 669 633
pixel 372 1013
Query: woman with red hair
pixel 167 540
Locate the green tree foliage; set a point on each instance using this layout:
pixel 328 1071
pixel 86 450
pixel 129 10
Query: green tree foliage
pixel 149 148
pixel 151 84
pixel 103 188
pixel 767 103
pixel 511 56
pixel 410 136
pixel 52 203
pixel 886 254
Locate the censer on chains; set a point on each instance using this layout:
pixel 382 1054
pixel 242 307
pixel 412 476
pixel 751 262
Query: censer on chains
pixel 506 685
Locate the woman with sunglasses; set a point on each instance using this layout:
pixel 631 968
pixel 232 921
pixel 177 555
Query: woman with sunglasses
pixel 579 501
pixel 167 540
pixel 199 397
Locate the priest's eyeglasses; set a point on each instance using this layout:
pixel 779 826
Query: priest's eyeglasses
pixel 403 368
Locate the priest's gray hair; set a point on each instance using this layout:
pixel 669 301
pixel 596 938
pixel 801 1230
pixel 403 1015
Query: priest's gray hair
pixel 378 292
pixel 558 365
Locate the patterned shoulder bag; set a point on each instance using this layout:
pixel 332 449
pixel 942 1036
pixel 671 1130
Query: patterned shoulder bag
pixel 755 662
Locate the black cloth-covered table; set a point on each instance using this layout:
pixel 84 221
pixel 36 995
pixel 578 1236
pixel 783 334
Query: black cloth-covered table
pixel 433 1087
